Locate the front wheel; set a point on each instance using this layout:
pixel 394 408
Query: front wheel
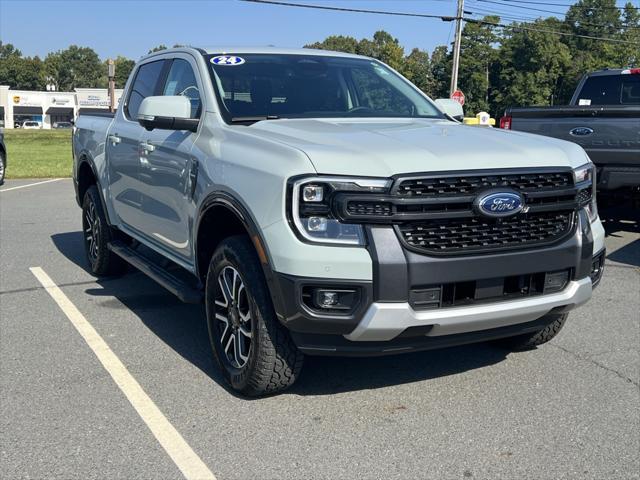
pixel 254 351
pixel 532 340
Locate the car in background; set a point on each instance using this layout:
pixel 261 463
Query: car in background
pixel 62 125
pixel 603 117
pixel 3 157
pixel 31 125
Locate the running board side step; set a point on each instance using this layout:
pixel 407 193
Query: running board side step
pixel 178 287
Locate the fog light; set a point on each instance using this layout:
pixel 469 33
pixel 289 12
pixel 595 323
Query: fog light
pixel 555 281
pixel 597 268
pixel 312 193
pixel 317 224
pixel 326 299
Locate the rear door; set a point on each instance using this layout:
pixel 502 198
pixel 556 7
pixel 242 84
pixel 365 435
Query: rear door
pixel 123 146
pixel 168 170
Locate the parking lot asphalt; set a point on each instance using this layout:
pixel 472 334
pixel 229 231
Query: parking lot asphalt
pixel 569 409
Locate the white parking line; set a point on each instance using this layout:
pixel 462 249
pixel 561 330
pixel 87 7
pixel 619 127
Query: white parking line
pixel 189 463
pixel 30 184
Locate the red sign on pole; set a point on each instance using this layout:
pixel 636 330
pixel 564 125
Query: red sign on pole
pixel 458 96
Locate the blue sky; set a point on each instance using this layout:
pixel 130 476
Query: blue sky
pixel 130 28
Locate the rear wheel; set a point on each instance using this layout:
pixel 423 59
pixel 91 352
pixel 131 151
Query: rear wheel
pixel 254 351
pixel 3 166
pixel 532 340
pixel 97 235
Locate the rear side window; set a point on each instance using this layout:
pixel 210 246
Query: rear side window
pixel 611 90
pixel 145 85
pixel 182 81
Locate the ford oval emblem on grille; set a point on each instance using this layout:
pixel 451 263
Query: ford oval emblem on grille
pixel 581 131
pixel 499 203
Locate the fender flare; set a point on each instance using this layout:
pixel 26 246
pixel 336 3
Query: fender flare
pixel 85 158
pixel 230 202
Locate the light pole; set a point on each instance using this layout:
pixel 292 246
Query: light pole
pixel 111 73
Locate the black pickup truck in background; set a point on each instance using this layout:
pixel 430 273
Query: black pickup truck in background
pixel 603 117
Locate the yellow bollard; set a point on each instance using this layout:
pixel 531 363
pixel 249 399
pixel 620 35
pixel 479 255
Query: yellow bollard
pixel 483 119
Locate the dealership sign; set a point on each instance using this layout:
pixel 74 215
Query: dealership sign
pixel 27 101
pixel 92 100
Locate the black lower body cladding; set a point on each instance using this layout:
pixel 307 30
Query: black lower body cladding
pixel 399 273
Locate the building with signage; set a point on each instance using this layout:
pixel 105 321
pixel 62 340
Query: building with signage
pixel 50 108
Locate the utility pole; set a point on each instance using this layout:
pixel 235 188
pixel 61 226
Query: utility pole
pixel 111 74
pixel 456 48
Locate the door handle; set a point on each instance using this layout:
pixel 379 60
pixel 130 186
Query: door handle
pixel 114 138
pixel 147 147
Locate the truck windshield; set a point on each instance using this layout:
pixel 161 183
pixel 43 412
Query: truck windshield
pixel 611 90
pixel 252 87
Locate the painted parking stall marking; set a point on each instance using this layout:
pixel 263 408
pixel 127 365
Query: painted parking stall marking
pixel 189 463
pixel 30 184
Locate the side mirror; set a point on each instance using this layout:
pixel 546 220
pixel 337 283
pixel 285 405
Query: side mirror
pixel 167 113
pixel 451 108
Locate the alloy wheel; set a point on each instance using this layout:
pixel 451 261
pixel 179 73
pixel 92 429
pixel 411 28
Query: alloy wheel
pixel 233 317
pixel 91 227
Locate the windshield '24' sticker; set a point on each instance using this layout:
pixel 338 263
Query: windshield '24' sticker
pixel 227 60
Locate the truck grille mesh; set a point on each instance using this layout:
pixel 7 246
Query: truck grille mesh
pixel 473 234
pixel 468 185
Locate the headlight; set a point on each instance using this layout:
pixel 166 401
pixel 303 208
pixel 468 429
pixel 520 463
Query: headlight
pixel 311 213
pixel 585 181
pixel 583 173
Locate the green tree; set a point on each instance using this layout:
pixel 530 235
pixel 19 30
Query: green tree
pixel 336 43
pixel 531 68
pixel 383 47
pixel 440 72
pixel 75 67
pixel 629 54
pixel 416 67
pixel 20 73
pixel 157 49
pixel 8 50
pixel 597 18
pixel 124 66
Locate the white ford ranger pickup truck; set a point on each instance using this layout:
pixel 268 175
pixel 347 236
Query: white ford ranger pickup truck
pixel 318 203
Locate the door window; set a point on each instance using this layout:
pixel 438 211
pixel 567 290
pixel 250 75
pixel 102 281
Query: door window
pixel 182 81
pixel 145 85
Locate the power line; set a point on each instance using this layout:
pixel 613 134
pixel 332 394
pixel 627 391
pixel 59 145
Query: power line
pixel 524 7
pixel 443 18
pixel 520 6
pixel 512 16
pixel 540 30
pixel 569 5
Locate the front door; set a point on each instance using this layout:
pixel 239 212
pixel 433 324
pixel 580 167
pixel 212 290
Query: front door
pixel 168 170
pixel 123 148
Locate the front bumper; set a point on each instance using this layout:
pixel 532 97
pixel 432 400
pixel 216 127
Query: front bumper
pixel 613 177
pixel 385 320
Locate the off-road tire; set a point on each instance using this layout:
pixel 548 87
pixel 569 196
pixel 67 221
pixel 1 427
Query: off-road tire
pixel 3 167
pixel 529 341
pixel 274 362
pixel 102 261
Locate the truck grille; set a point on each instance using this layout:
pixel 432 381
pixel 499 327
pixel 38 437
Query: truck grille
pixel 470 185
pixel 438 214
pixel 458 235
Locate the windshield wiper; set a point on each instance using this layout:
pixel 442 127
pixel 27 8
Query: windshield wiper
pixel 253 119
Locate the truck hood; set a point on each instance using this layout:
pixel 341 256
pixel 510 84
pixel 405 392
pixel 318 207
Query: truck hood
pixel 385 147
